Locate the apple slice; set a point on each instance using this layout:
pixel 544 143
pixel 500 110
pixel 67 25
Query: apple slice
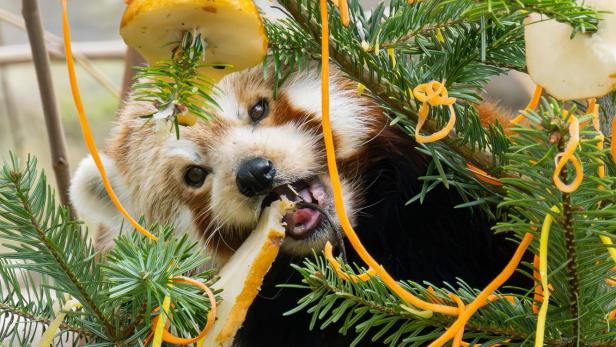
pixel 578 68
pixel 232 29
pixel 241 277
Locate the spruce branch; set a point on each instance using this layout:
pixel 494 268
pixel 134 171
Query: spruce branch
pixel 18 311
pixel 568 225
pixel 580 300
pixel 578 261
pixel 429 37
pixel 175 87
pixel 119 290
pixel 29 217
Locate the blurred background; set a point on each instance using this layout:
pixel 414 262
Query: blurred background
pixel 94 27
pixel 22 126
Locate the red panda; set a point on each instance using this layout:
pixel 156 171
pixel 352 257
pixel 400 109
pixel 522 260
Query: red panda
pixel 215 180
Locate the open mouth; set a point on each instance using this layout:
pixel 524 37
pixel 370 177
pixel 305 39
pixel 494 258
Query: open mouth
pixel 311 196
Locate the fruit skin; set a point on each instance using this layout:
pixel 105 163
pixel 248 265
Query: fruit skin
pixel 242 276
pixel 578 68
pixel 233 30
pixel 187 119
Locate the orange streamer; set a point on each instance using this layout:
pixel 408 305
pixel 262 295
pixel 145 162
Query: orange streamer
pixel 483 176
pixel 337 189
pixel 457 340
pixel 538 295
pixel 569 155
pixel 340 272
pixel 85 126
pixel 433 94
pixel 534 101
pixel 485 294
pixel 343 7
pixel 211 317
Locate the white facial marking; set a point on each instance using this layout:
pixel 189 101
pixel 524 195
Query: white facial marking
pixel 348 118
pixel 182 148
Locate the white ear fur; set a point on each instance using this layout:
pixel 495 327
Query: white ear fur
pixel 89 197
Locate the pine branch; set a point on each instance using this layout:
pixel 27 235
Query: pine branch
pixel 175 87
pixel 119 290
pixel 580 300
pixel 568 225
pixel 29 217
pixel 381 88
pixel 429 37
pixel 578 261
pixel 17 311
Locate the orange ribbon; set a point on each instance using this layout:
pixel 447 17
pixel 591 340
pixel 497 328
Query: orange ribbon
pixel 483 176
pixel 433 94
pixel 569 155
pixel 534 101
pixel 211 317
pixel 340 272
pixel 85 126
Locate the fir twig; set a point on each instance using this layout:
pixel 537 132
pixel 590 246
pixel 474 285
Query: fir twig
pixel 21 184
pixel 174 86
pixel 18 311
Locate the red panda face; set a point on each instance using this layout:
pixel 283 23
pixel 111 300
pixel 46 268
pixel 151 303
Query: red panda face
pixel 217 178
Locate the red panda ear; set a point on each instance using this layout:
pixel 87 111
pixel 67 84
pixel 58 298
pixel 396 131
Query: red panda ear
pixel 490 112
pixel 89 197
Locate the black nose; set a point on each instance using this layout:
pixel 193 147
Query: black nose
pixel 255 176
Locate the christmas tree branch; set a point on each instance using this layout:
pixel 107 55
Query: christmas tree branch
pixel 20 312
pixel 382 88
pixel 21 196
pixel 568 225
pixel 380 306
pixel 47 241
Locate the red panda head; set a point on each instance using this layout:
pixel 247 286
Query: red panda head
pixel 216 179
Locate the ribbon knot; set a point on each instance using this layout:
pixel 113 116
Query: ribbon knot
pixel 433 94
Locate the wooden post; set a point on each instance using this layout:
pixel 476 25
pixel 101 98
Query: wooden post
pixel 55 132
pixel 133 58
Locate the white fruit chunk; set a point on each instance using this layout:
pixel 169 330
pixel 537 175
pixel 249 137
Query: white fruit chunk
pixel 578 68
pixel 232 29
pixel 242 275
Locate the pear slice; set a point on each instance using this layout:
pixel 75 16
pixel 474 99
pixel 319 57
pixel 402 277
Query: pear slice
pixel 242 276
pixel 578 68
pixel 232 29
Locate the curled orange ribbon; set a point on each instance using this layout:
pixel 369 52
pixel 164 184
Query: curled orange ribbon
pixel 534 101
pixel 211 317
pixel 569 155
pixel 433 94
pixel 338 268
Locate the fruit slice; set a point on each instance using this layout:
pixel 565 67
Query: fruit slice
pixel 578 68
pixel 242 276
pixel 232 30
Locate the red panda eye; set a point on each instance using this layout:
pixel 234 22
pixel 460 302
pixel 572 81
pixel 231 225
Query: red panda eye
pixel 195 176
pixel 259 110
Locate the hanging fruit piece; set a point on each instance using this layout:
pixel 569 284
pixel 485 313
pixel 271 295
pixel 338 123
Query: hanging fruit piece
pixel 579 68
pixel 232 31
pixel 242 275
